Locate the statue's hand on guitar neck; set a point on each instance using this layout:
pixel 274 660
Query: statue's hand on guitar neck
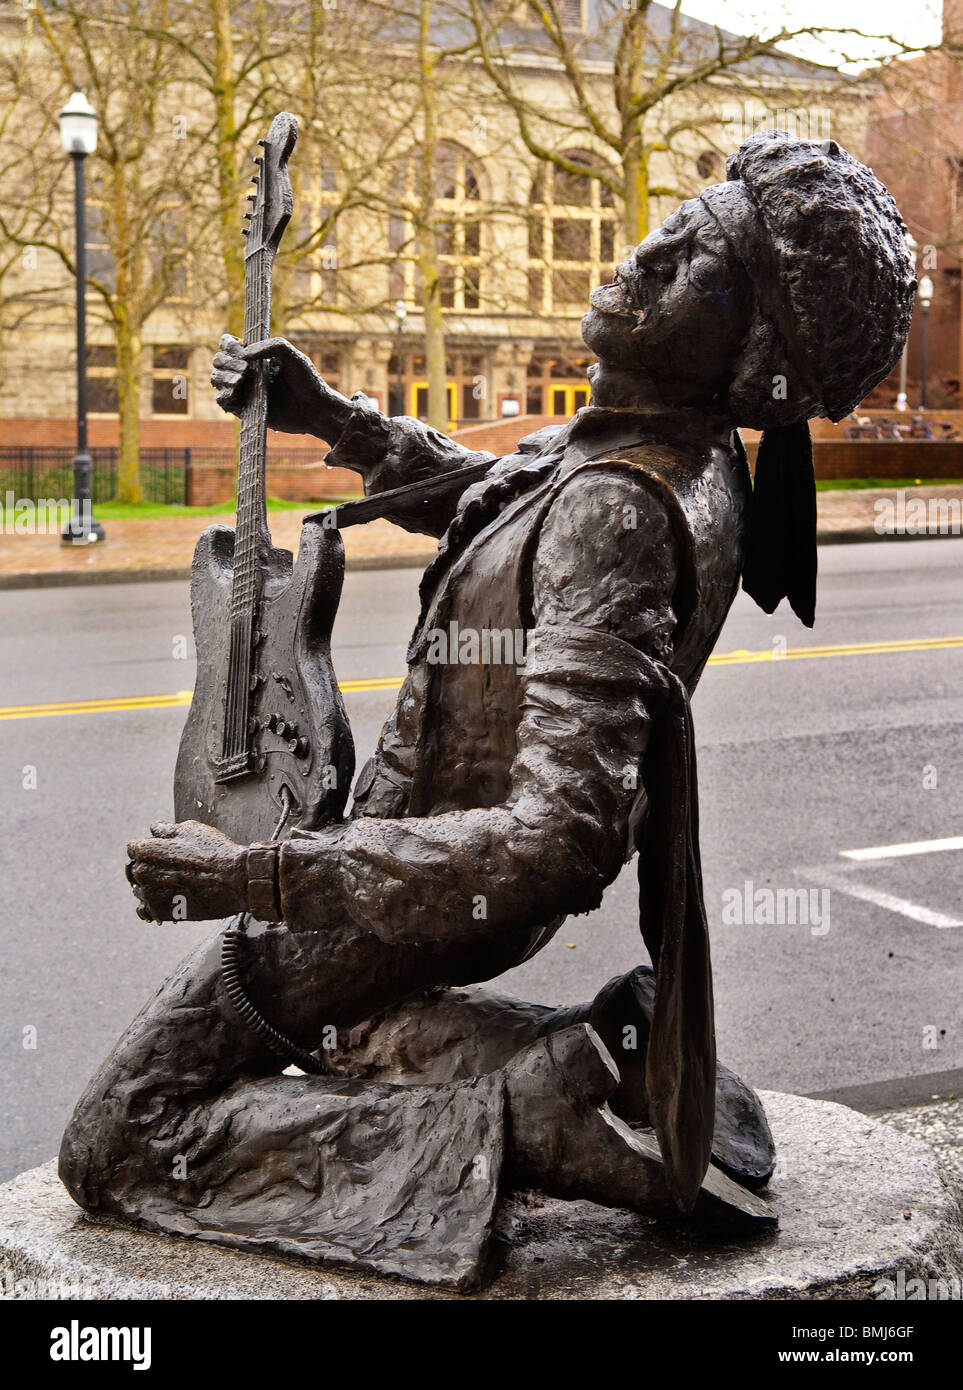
pixel 300 401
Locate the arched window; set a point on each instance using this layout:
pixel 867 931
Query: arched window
pixel 311 246
pixel 457 212
pixel 571 239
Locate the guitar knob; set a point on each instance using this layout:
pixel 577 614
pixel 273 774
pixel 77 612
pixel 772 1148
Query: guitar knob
pixel 299 747
pixel 260 763
pixel 283 729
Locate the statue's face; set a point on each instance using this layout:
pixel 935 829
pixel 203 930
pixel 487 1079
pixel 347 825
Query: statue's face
pixel 678 310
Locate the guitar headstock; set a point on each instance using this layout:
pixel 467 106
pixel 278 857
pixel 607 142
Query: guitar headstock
pixel 272 203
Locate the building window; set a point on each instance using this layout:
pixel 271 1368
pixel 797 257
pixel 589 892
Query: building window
pixel 557 385
pixel 467 385
pixel 101 380
pixel 100 259
pixel 170 378
pixel 571 14
pixel 171 252
pixel 327 362
pixel 571 240
pixel 314 256
pixel 458 224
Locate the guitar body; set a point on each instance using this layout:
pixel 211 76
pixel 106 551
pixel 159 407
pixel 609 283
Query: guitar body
pixel 299 736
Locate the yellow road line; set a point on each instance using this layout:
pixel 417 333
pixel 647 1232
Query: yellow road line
pixel 736 658
pixel 922 644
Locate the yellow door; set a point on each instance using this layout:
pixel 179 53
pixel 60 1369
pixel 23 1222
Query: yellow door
pixel 419 400
pixel 565 400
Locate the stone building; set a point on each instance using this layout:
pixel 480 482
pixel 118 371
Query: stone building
pixel 521 245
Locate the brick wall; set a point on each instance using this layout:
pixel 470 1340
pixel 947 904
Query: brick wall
pixel 169 433
pixel 212 482
pixel 881 458
pixel 834 456
pixel 501 436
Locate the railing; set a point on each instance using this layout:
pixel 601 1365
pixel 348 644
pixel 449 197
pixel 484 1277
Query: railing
pixel 31 472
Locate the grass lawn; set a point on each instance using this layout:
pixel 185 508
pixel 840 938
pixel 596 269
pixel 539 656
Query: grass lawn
pixel 858 484
pixel 150 511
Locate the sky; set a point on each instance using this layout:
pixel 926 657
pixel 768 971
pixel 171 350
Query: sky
pixel 917 22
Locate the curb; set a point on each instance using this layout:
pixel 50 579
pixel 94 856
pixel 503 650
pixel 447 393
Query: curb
pixel 57 579
pixel 62 579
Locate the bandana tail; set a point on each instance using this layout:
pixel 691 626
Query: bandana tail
pixel 781 557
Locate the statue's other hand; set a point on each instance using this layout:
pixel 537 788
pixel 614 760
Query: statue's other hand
pixel 297 393
pixel 187 872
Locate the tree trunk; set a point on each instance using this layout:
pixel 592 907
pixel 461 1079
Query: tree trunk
pixel 635 183
pixel 427 237
pixel 226 155
pixel 128 407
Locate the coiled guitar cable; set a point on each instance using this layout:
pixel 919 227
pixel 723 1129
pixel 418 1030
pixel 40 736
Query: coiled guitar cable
pixel 232 952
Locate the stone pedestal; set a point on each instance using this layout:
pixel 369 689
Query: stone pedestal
pixel 857 1203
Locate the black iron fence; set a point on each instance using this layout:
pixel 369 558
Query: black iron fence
pixel 30 472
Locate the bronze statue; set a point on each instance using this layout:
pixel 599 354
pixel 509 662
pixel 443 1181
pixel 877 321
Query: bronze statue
pixel 507 792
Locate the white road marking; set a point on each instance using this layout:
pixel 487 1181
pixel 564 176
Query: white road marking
pixel 854 889
pixel 900 851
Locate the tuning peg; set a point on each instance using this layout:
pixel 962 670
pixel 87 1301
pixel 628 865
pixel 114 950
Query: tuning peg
pixel 256 180
pixel 257 159
pixel 252 197
pixel 245 231
pixel 262 142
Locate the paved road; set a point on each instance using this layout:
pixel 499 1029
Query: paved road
pixel 800 761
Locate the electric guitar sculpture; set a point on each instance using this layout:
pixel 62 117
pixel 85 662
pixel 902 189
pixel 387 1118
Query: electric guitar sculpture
pixel 267 742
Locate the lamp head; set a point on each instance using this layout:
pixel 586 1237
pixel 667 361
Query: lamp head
pixel 78 126
pixel 925 292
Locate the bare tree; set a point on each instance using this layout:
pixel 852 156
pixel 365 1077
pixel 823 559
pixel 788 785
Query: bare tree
pixel 141 182
pixel 641 82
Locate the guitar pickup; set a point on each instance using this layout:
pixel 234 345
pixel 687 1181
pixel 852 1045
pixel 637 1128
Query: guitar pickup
pixel 226 769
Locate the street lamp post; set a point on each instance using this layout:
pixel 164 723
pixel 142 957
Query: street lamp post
pixel 401 313
pixel 78 137
pixel 925 296
pixel 901 401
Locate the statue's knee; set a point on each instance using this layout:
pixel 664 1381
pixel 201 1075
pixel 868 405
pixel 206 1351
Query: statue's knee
pixel 77 1164
pixel 90 1149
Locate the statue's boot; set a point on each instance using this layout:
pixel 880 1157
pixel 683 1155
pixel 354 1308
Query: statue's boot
pixel 621 1014
pixel 564 1139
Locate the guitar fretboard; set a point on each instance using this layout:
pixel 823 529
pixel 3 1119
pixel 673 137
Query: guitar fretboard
pixel 251 532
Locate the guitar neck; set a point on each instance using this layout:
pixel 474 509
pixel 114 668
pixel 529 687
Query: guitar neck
pixel 252 533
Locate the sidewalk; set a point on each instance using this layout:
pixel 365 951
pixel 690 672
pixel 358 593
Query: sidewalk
pixel 162 549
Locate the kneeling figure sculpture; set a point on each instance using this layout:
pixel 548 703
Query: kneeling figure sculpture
pixel 503 794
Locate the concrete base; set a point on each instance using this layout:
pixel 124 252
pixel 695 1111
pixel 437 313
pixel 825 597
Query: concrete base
pixel 856 1201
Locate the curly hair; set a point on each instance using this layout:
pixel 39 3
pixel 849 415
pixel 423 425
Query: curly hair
pixel 834 278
